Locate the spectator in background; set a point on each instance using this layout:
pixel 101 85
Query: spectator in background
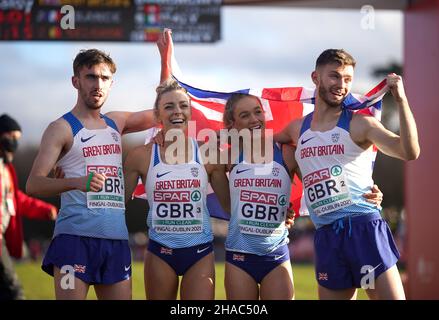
pixel 14 205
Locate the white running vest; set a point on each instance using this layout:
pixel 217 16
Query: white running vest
pixel 259 203
pixel 93 214
pixel 178 216
pixel 335 172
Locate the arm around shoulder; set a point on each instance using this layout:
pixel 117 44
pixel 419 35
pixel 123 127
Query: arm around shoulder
pixel 128 122
pixel 290 133
pixel 54 141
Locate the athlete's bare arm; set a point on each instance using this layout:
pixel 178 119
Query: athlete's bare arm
pixel 166 49
pixel 136 165
pixel 289 159
pixel 56 141
pixel 219 182
pixel 128 122
pixel 366 130
pixel 290 133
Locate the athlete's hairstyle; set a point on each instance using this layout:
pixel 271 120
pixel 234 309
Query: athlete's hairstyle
pixel 335 56
pixel 91 57
pixel 230 107
pixel 164 87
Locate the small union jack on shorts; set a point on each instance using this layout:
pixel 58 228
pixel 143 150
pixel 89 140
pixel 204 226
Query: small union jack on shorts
pixel 93 260
pixel 351 248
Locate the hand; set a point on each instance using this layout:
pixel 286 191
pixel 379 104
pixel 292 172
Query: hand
pixel 159 138
pixel 53 213
pixel 58 173
pixel 289 219
pixel 165 45
pixel 375 196
pixel 396 86
pixel 96 183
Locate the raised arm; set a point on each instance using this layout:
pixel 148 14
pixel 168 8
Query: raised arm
pixel 128 122
pixel 166 50
pixel 368 130
pixel 55 139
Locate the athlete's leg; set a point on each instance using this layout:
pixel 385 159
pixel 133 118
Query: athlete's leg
pixel 116 291
pixel 388 286
pixel 343 294
pixel 239 284
pixel 198 282
pixel 278 283
pixel 161 282
pixel 65 289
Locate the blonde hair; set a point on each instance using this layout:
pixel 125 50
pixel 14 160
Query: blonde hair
pixel 167 86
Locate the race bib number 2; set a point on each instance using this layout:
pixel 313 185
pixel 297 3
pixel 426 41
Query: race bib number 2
pixel 326 190
pixel 112 193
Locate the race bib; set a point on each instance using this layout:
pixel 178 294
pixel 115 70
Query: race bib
pixel 326 190
pixel 112 195
pixel 262 213
pixel 177 211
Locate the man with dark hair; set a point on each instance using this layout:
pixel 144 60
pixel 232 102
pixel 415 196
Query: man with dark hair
pixel 91 237
pixel 14 204
pixel 335 153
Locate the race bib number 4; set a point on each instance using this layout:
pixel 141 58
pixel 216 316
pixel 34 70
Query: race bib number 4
pixel 177 211
pixel 112 193
pixel 326 190
pixel 261 213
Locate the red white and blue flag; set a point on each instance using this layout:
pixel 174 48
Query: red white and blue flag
pixel 281 106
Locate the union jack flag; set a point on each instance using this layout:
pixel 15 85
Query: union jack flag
pixel 281 106
pixel 238 257
pixel 167 251
pixel 79 268
pixel 323 276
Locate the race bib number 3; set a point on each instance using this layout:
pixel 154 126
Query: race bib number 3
pixel 112 193
pixel 326 190
pixel 177 212
pixel 261 213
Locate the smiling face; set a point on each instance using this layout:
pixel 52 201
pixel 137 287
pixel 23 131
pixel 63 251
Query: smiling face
pixel 174 110
pixel 248 114
pixel 333 82
pixel 93 84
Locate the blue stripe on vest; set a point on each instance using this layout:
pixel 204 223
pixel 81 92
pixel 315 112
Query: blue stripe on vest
pixel 345 119
pixel 74 123
pixel 306 124
pixel 110 122
pixel 156 154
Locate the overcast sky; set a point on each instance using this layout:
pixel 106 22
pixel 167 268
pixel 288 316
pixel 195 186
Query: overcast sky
pixel 260 47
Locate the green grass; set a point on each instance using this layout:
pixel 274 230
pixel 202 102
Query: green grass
pixel 39 286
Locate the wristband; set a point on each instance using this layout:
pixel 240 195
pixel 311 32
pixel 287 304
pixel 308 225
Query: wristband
pixel 90 176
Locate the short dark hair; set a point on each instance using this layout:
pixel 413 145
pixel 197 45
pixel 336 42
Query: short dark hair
pixel 339 56
pixel 90 58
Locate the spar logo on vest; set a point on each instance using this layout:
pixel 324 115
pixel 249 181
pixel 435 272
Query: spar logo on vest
pixel 261 209
pixel 326 190
pixel 177 206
